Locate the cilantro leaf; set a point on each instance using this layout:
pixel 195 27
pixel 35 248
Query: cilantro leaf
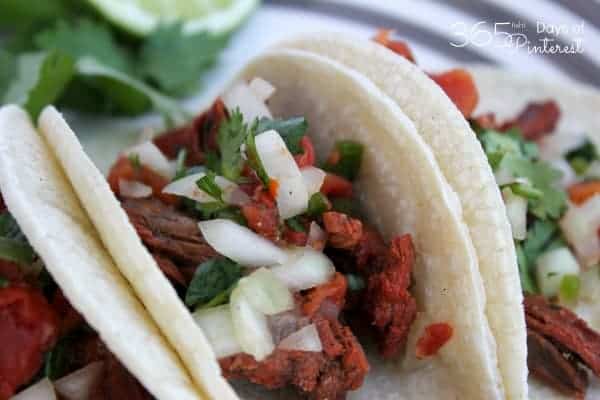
pixel 3 282
pixel 355 282
pixel 497 145
pixel 295 224
pixel 232 134
pixel 254 160
pixel 543 178
pixel 525 274
pixel 208 185
pixel 180 168
pixel 8 69
pixel 539 236
pixel 85 38
pixel 174 59
pixel 211 278
pixel 581 157
pixel 291 130
pixel 19 13
pixel 130 95
pixel 41 78
pixel 317 204
pixel 349 158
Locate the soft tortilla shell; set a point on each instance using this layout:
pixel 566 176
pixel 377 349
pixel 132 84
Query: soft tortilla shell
pixel 402 190
pixel 135 262
pixel 41 199
pixel 506 94
pixel 465 166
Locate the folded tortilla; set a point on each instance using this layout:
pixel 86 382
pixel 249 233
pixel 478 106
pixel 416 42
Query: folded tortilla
pixel 404 191
pixel 41 199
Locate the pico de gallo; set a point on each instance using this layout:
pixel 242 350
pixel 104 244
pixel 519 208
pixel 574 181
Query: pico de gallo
pixel 551 187
pixel 48 350
pixel 267 247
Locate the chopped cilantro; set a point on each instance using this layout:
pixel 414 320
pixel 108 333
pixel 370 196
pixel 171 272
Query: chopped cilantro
pixel 344 205
pixel 539 236
pixel 349 154
pixel 134 160
pixel 83 38
pixel 212 161
pixel 174 59
pixel 317 204
pixel 581 157
pixel 295 224
pixel 291 130
pixel 3 282
pixel 13 244
pixel 569 287
pixel 211 209
pixel 208 185
pixel 254 160
pixel 543 178
pixel 211 279
pixel 355 282
pixel 180 168
pixel 40 79
pixel 527 282
pixel 233 132
pixel 525 190
pixel 57 360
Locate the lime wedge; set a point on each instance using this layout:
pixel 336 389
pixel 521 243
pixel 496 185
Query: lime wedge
pixel 140 17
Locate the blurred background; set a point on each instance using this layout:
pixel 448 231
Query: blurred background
pixel 109 60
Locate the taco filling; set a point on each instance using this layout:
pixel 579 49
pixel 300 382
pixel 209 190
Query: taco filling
pixel 56 349
pixel 267 247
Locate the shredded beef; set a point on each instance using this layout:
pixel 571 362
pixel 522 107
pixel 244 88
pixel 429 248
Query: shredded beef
pixel 547 363
pixel 571 337
pixel 166 231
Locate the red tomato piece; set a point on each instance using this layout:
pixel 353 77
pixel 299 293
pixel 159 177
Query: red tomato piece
pixel 435 336
pixel 458 84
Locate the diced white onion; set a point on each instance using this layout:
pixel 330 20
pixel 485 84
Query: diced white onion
pixel 217 325
pixel 580 226
pixel 304 339
pixel 306 268
pixel 558 144
pixel 279 164
pixel 516 211
pixel 552 266
pixel 146 135
pixel 134 189
pixel 80 385
pixel 266 292
pixel 250 326
pixel 313 179
pixel 187 187
pixel 241 244
pixel 151 157
pixel 503 176
pixel 569 176
pixel 241 96
pixel 261 88
pixel 317 237
pixel 43 390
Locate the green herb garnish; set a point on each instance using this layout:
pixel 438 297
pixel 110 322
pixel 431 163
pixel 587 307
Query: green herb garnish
pixel 581 157
pixel 180 168
pixel 211 278
pixel 569 287
pixel 291 130
pixel 317 204
pixel 295 224
pixel 208 185
pixel 3 282
pixel 355 282
pixel 254 160
pixel 233 132
pixel 349 159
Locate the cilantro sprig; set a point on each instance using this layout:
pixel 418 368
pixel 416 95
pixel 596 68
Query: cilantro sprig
pixel 212 282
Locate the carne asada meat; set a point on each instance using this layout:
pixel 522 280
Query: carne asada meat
pixel 167 231
pixel 555 331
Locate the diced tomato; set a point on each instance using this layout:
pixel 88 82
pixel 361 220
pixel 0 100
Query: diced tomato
pixel 124 169
pixel 336 186
pixel 307 158
pixel 28 328
pixel 397 46
pixel 435 336
pixel 579 193
pixel 459 86
pixel 262 219
pixel 273 187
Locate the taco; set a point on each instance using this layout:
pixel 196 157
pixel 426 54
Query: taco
pixel 69 324
pixel 543 131
pixel 245 252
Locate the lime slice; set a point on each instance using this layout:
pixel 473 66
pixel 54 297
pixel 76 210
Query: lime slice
pixel 140 17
